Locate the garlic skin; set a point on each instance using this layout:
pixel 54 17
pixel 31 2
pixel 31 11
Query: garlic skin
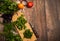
pixel 17 2
pixel 15 33
pixel 24 2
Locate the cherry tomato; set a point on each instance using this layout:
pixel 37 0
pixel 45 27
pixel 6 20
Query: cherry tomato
pixel 30 4
pixel 20 6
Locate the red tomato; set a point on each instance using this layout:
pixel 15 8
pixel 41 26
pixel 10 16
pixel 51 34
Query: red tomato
pixel 30 4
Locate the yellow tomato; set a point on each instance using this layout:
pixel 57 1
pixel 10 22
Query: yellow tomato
pixel 20 6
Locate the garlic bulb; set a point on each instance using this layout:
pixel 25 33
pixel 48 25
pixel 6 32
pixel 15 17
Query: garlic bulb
pixel 24 2
pixel 17 2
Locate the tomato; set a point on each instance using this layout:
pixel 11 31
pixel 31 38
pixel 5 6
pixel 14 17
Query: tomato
pixel 20 6
pixel 30 4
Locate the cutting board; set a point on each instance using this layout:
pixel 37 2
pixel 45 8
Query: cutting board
pixel 14 18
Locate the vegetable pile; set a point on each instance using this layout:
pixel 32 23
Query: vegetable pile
pixel 20 23
pixel 10 33
pixel 8 6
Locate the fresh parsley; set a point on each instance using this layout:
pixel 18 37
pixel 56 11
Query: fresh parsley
pixel 8 6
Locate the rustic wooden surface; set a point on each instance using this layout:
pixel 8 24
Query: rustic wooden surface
pixel 36 16
pixel 52 19
pixel 45 19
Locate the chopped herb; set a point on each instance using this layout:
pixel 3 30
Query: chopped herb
pixel 20 23
pixel 28 33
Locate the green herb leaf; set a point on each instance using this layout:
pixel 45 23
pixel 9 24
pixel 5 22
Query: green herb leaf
pixel 8 6
pixel 27 33
pixel 20 23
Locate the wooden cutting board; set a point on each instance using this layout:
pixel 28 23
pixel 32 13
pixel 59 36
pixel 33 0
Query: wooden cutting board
pixel 14 18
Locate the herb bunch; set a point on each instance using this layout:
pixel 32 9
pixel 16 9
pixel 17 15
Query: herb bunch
pixel 20 23
pixel 8 27
pixel 8 6
pixel 28 33
pixel 10 36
